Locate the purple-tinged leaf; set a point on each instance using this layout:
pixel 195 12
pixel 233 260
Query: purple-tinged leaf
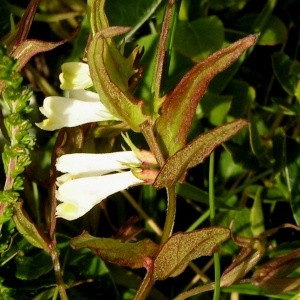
pixel 21 48
pixel 111 72
pixel 181 248
pixel 29 48
pixel 132 255
pixel 180 104
pixel 14 39
pixel 195 152
pixel 272 275
pixel 242 264
pixel 283 285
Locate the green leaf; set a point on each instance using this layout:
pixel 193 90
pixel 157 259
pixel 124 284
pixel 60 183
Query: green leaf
pixel 181 248
pixel 180 104
pixel 110 71
pixel 203 36
pixel 228 170
pixel 255 139
pixel 242 155
pixel 257 215
pixel 242 96
pixel 215 107
pixel 274 31
pixel 195 153
pixel 28 229
pixel 279 149
pixel 132 255
pixel 194 193
pixel 292 169
pixel 80 41
pixel 7 293
pixel 34 266
pixel 287 72
pixel 133 13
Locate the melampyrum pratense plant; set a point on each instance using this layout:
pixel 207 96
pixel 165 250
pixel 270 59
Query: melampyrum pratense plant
pixel 87 165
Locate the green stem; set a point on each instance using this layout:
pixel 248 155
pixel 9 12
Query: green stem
pixel 57 271
pixel 247 183
pixel 147 131
pixel 200 220
pixel 145 287
pixel 212 210
pixel 195 291
pixel 145 18
pixel 171 211
pixel 211 190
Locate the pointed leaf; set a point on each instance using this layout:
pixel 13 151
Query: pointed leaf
pixel 179 107
pixel 132 255
pixel 242 264
pixel 14 39
pixel 257 214
pixel 29 231
pixel 292 167
pixel 29 48
pixel 33 266
pixel 287 72
pixel 279 266
pixel 110 71
pixel 271 276
pixel 203 35
pixel 181 248
pixel 195 152
pixel 276 285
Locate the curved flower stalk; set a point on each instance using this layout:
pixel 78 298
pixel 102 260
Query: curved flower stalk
pixel 75 76
pixel 79 108
pixel 86 184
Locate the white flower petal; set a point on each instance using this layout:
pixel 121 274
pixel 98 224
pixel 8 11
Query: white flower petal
pixel 69 112
pixel 75 75
pixel 84 95
pixel 68 211
pixel 87 164
pixel 82 194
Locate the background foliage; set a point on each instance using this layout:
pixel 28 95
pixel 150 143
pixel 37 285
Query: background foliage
pixel 256 173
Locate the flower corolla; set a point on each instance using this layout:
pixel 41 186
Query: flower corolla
pixel 79 108
pixel 88 179
pixel 75 76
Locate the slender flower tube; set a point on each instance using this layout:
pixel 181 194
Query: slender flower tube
pixel 75 76
pixel 78 196
pixel 85 184
pixel 80 108
pixel 77 165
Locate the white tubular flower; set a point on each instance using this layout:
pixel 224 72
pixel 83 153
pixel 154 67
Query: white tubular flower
pixel 75 76
pixel 80 108
pixel 78 196
pixel 87 164
pixel 84 185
